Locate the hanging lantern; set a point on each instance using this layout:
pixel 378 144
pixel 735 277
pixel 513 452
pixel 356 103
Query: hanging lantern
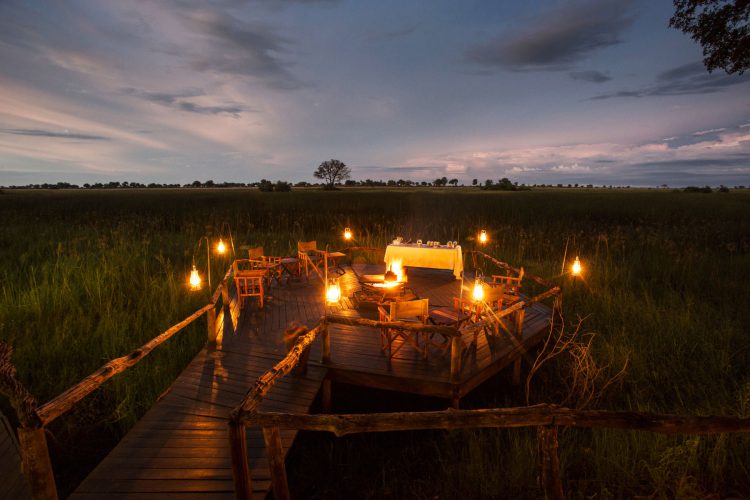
pixel 576 267
pixel 347 234
pixel 477 292
pixel 483 237
pixel 333 292
pixel 195 279
pixel 221 247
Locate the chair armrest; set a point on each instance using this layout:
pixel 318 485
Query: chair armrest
pixel 383 314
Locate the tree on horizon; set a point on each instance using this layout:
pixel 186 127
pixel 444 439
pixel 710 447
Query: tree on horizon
pixel 332 172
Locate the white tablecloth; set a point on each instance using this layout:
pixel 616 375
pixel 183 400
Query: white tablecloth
pixel 422 256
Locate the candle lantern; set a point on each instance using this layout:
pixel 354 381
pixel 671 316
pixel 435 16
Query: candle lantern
pixel 483 237
pixel 333 292
pixel 576 268
pixel 477 293
pixel 195 279
pixel 347 234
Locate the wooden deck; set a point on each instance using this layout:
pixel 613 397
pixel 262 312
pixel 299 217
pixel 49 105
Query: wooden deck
pixel 180 447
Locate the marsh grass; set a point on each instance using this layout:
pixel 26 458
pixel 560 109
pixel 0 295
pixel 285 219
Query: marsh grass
pixel 88 276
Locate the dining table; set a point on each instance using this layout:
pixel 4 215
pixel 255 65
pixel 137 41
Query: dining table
pixel 421 255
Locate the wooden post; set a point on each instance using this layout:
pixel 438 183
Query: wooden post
pixel 36 464
pixel 225 302
pixel 550 463
pixel 326 340
pixel 455 358
pixel 519 336
pixel 243 486
pixel 211 321
pixel 272 437
pixel 326 395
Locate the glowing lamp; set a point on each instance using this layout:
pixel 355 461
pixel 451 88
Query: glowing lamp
pixel 195 279
pixel 347 234
pixel 477 292
pixel 390 276
pixel 576 267
pixel 221 247
pixel 483 237
pixel 333 292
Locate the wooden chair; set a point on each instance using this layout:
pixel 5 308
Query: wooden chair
pixel 270 265
pixel 511 284
pixel 309 257
pixel 248 281
pixel 412 310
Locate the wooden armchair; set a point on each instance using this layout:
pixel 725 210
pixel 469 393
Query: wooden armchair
pixel 412 310
pixel 248 281
pixel 270 265
pixel 309 257
pixel 511 284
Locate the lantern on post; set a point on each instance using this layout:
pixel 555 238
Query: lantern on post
pixel 347 234
pixel 221 247
pixel 333 292
pixel 576 268
pixel 195 279
pixel 483 236
pixel 477 293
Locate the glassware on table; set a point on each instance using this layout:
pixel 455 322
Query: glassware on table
pixel 419 243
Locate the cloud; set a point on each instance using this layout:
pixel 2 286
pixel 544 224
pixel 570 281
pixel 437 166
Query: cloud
pixel 687 79
pixel 709 131
pixel 236 47
pixel 590 76
pixel 180 101
pixel 56 135
pixel 724 159
pixel 558 38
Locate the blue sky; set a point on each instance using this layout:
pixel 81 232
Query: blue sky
pixel 596 91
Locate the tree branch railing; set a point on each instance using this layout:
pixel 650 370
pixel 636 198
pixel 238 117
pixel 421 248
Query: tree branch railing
pixel 247 413
pixel 508 267
pixel 36 464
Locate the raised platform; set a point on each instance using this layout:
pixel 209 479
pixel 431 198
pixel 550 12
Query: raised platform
pixel 180 447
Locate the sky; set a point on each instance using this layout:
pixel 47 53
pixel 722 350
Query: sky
pixel 172 91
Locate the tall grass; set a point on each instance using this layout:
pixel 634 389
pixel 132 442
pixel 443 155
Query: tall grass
pixel 88 276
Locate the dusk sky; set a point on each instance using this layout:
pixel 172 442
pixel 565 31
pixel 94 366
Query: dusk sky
pixel 600 92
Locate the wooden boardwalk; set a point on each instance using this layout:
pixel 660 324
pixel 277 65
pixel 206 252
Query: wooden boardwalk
pixel 180 447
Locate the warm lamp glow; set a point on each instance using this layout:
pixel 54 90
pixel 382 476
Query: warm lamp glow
pixel 221 247
pixel 347 234
pixel 576 267
pixel 195 279
pixel 483 236
pixel 333 292
pixel 398 270
pixel 478 292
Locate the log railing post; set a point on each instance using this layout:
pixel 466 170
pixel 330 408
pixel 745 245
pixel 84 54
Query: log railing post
pixel 272 437
pixel 211 325
pixel 549 463
pixel 518 332
pixel 243 488
pixel 35 463
pixel 455 357
pixel 326 340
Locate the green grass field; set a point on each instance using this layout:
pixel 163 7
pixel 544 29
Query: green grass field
pixel 90 275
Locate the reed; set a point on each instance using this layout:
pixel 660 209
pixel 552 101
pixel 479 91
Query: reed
pixel 88 276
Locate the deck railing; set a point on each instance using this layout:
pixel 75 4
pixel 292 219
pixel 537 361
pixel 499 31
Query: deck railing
pixel 36 464
pixel 546 418
pixel 247 413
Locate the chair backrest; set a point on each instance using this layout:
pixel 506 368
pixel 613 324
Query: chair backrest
pixel 255 253
pixel 306 246
pixel 512 284
pixel 410 309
